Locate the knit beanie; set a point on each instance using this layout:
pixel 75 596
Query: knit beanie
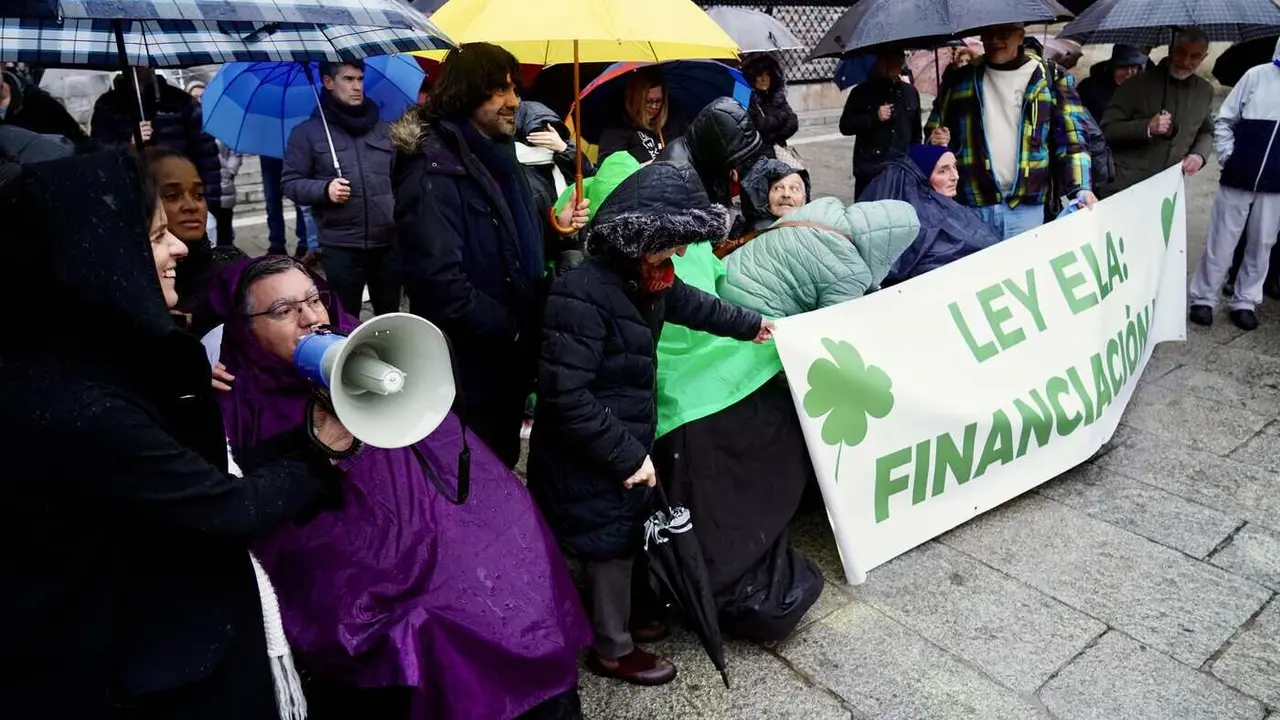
pixel 926 157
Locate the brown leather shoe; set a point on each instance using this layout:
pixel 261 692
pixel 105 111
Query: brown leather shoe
pixel 651 631
pixel 638 668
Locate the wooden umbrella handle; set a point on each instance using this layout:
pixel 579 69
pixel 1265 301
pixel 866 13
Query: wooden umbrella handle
pixel 577 145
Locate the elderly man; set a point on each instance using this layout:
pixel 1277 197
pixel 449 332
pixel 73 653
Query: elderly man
pixel 995 107
pixel 1247 135
pixel 1162 117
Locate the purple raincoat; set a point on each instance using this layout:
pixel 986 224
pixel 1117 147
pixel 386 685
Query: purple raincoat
pixel 470 604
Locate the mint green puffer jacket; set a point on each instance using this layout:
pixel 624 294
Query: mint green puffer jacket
pixel 791 270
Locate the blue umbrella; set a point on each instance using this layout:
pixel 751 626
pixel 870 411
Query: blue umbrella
pixel 854 69
pixel 691 85
pixel 252 107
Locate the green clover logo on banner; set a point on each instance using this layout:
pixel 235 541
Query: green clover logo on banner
pixel 1166 216
pixel 846 390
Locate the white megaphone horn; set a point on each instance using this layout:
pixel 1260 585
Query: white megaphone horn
pixel 391 381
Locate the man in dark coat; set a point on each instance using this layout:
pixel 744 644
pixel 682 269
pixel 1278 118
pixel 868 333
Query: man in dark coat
pixel 20 147
pixel 27 106
pixel 349 193
pixel 589 464
pixel 769 110
pixel 722 145
pixel 125 540
pixel 471 238
pixel 884 114
pixel 171 117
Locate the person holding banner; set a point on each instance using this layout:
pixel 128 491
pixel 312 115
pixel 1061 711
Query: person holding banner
pixel 1247 138
pixel 589 462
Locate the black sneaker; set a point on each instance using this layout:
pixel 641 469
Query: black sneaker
pixel 1201 315
pixel 1244 319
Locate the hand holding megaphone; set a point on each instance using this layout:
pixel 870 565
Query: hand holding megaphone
pixel 329 430
pixel 390 382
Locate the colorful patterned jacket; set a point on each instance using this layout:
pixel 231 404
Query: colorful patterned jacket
pixel 1053 138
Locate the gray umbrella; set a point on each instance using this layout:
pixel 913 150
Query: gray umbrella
pixel 881 22
pixel 1153 22
pixel 754 31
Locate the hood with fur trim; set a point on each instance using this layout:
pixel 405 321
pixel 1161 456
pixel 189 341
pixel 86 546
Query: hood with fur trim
pixel 755 65
pixel 407 133
pixel 660 207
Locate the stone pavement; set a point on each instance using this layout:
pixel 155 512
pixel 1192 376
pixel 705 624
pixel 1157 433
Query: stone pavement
pixel 1138 586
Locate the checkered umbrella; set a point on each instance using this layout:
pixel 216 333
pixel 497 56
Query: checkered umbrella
pixel 185 43
pixel 1153 22
pixel 361 13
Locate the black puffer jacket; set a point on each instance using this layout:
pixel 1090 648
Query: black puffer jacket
pixel 720 139
pixel 770 112
pixel 176 122
pixel 598 367
pixel 539 165
pixel 38 111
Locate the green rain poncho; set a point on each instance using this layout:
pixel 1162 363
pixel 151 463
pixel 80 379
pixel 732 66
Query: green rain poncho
pixel 698 374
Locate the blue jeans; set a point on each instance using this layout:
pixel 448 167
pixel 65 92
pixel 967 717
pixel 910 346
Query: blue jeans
pixel 1008 222
pixel 304 225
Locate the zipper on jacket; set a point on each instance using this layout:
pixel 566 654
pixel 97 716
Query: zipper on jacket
pixel 1275 126
pixel 364 196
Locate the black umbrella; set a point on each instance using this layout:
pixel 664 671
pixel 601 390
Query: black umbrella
pixel 1154 22
pixel 1238 58
pixel 880 22
pixel 679 572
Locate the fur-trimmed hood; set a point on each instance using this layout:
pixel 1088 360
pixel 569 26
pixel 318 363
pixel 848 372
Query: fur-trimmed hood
pixel 755 65
pixel 407 133
pixel 660 207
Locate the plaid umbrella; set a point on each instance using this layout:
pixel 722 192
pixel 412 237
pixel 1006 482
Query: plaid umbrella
pixel 1153 22
pixel 362 13
pixel 184 43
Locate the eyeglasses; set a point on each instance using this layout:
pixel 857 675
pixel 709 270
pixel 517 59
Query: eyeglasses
pixel 289 310
pixel 654 103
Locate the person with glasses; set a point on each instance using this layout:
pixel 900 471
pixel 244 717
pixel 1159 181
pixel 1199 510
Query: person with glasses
pixel 647 123
pixel 427 571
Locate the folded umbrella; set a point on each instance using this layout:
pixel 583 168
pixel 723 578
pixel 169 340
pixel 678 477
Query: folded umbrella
pixel 1154 22
pixel 253 107
pixel 754 31
pixel 879 22
pixel 691 85
pixel 679 572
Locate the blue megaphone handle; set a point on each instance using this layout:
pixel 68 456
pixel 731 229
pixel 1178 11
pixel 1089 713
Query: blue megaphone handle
pixel 309 355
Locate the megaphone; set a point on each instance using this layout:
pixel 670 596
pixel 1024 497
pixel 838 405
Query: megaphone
pixel 391 381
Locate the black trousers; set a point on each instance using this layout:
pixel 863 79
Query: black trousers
pixel 860 183
pixel 349 270
pixel 226 231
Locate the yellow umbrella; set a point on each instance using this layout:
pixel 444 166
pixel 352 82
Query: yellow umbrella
pixel 547 32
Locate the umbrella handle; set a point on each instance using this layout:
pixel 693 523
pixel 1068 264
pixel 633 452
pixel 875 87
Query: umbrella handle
pixel 577 146
pixel 324 122
pixel 117 28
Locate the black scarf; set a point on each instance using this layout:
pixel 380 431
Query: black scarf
pixel 355 120
pixel 499 158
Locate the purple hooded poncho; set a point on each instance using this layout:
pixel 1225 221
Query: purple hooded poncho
pixel 472 605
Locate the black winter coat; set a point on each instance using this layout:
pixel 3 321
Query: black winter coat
pixel 879 141
pixel 125 540
pixel 365 155
pixel 769 111
pixel 176 121
pixel 38 111
pixel 596 400
pixel 1096 90
pixel 598 368
pixel 463 266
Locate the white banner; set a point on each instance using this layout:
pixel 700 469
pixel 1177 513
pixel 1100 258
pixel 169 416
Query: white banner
pixel 931 402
